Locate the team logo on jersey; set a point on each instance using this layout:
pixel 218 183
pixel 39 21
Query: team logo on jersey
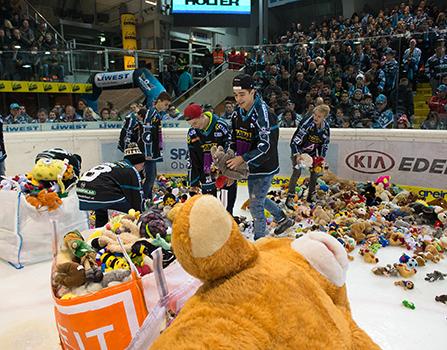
pixel 146 137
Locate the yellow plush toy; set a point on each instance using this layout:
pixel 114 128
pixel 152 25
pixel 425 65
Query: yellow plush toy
pixel 49 170
pixel 277 293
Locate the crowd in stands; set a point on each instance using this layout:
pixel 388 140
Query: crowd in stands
pixel 28 50
pixel 365 68
pixel 60 114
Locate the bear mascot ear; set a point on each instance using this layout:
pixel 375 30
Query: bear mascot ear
pixel 206 240
pixel 325 254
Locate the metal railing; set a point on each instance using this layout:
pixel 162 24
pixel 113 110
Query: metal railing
pixel 57 36
pixel 202 82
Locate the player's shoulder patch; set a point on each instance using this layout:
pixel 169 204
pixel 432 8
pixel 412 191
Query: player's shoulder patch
pixel 192 136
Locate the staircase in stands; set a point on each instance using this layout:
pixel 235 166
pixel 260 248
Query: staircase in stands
pixel 421 99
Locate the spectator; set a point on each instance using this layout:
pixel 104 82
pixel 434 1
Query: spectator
pixel 15 117
pixel 228 111
pixel 378 77
pixel 207 61
pixel 403 123
pixel 42 116
pixel 287 120
pixel 432 122
pixel 27 33
pixel 182 63
pixel 172 113
pixel 70 115
pixel 24 114
pixel 218 58
pixel 300 88
pixel 48 42
pixel 40 33
pixel 359 84
pixel 436 66
pixel 114 114
pixel 105 114
pixel 53 69
pixel 360 60
pixel 391 69
pixel 185 81
pixel 89 115
pixel 81 106
pixel 438 103
pixel 411 59
pixel 232 59
pixel 53 116
pixel 18 42
pixel 272 88
pixel 241 58
pixel 382 117
pixel 339 120
pixel 404 104
pixel 337 90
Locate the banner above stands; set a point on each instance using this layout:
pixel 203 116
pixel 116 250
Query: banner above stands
pixel 44 87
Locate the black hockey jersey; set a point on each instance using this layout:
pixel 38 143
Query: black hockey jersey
pixel 255 137
pixel 151 140
pixel 110 183
pixel 130 132
pixel 199 147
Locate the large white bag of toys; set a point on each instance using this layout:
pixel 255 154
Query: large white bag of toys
pixel 26 232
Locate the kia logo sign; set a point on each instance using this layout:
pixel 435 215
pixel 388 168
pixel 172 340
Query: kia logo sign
pixel 370 162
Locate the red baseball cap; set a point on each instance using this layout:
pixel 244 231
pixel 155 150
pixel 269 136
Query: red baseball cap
pixel 193 111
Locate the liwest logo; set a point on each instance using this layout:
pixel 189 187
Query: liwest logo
pixel 109 77
pixel 370 162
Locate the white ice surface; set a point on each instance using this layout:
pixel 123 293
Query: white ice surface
pixel 27 320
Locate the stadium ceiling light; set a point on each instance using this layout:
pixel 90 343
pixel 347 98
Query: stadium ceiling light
pixel 112 61
pixel 26 66
pixel 47 53
pixel 17 47
pixel 151 2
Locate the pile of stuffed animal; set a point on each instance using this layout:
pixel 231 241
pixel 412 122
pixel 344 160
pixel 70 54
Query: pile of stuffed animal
pixel 87 265
pixel 44 185
pixel 369 216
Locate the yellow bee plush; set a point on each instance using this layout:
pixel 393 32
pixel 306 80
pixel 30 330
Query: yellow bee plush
pixel 277 293
pixel 49 170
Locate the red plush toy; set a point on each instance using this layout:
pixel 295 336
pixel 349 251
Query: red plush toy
pixel 221 182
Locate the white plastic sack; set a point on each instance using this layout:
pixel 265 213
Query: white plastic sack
pixel 164 289
pixel 26 233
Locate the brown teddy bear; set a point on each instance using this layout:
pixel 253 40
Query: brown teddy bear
pixel 129 234
pixel 320 216
pixel 359 229
pixel 368 256
pixel 396 239
pixel 220 158
pixel 275 293
pixel 404 271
